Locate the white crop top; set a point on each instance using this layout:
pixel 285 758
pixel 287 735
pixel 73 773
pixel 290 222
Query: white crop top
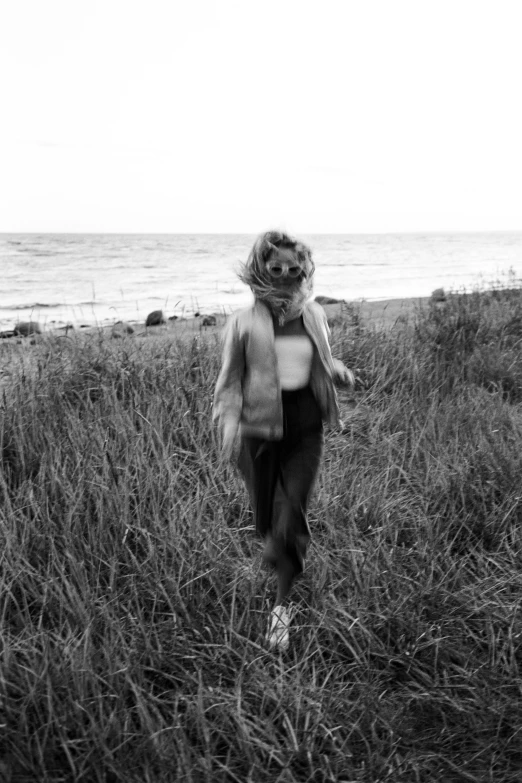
pixel 294 360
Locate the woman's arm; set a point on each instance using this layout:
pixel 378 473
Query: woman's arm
pixel 340 372
pixel 228 395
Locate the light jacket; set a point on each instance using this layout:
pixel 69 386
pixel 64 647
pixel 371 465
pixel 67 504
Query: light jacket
pixel 248 391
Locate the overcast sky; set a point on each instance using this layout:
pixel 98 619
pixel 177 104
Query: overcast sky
pixel 223 116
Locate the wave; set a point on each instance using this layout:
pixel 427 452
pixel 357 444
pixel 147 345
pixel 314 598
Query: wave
pixel 73 305
pixel 32 306
pixel 19 248
pixel 344 264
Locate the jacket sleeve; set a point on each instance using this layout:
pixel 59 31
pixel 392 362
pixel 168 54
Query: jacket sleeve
pixel 228 395
pixel 324 327
pixel 336 365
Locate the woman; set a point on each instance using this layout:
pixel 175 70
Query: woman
pixel 274 391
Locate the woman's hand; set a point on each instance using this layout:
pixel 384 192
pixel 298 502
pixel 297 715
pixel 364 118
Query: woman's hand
pixel 343 374
pixel 230 439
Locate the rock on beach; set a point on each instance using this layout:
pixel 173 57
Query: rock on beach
pixel 26 328
pixel 156 318
pixel 328 300
pixel 439 295
pixel 121 328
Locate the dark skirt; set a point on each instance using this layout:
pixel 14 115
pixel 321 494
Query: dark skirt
pixel 280 475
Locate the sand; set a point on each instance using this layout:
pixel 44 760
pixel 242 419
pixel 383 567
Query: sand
pixel 385 314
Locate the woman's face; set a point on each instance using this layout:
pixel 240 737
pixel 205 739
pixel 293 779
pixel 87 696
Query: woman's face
pixel 283 269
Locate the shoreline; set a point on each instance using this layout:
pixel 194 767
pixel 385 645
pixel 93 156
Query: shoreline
pixel 381 313
pixel 18 352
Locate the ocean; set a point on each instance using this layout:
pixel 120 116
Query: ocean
pixel 101 278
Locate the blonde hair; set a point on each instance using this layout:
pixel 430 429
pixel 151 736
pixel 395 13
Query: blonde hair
pixel 254 272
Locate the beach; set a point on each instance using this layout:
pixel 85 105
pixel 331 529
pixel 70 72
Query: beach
pixel 386 315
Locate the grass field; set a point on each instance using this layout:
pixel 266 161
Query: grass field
pixel 133 603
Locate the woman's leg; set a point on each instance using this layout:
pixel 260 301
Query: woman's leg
pixel 290 533
pixel 280 476
pixel 279 480
pixel 286 573
pixel 259 465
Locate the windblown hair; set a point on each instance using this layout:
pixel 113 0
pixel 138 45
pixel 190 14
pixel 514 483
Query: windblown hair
pixel 254 272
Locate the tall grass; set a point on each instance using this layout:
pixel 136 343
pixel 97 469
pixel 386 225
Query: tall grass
pixel 133 604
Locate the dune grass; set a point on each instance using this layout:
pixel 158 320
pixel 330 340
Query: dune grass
pixel 133 604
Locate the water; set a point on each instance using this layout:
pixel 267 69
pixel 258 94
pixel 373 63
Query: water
pixel 101 278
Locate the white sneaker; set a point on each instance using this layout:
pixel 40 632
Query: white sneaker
pixel 278 636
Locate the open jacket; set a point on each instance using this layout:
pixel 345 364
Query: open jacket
pixel 248 392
